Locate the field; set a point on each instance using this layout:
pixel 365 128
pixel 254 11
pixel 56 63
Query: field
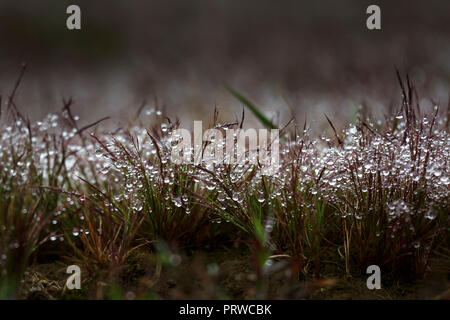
pixel 140 226
pixel 94 205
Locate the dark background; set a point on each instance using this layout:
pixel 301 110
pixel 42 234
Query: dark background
pixel 318 54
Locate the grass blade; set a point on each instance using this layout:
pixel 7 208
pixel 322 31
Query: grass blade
pixel 258 114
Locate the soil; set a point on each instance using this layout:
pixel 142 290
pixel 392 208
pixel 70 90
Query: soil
pixel 224 274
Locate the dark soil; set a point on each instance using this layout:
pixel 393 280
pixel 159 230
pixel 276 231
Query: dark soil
pixel 224 274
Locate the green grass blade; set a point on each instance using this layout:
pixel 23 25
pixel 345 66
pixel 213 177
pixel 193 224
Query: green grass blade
pixel 258 114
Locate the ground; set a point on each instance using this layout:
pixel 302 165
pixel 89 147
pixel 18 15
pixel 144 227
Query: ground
pixel 224 274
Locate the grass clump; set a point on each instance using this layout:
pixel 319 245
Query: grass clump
pixel 372 194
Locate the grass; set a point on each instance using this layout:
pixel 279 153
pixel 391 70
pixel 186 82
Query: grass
pixel 369 194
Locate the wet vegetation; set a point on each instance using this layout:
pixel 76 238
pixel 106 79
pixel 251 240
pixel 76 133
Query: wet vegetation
pixel 140 226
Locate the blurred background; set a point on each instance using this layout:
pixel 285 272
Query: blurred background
pixel 316 56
